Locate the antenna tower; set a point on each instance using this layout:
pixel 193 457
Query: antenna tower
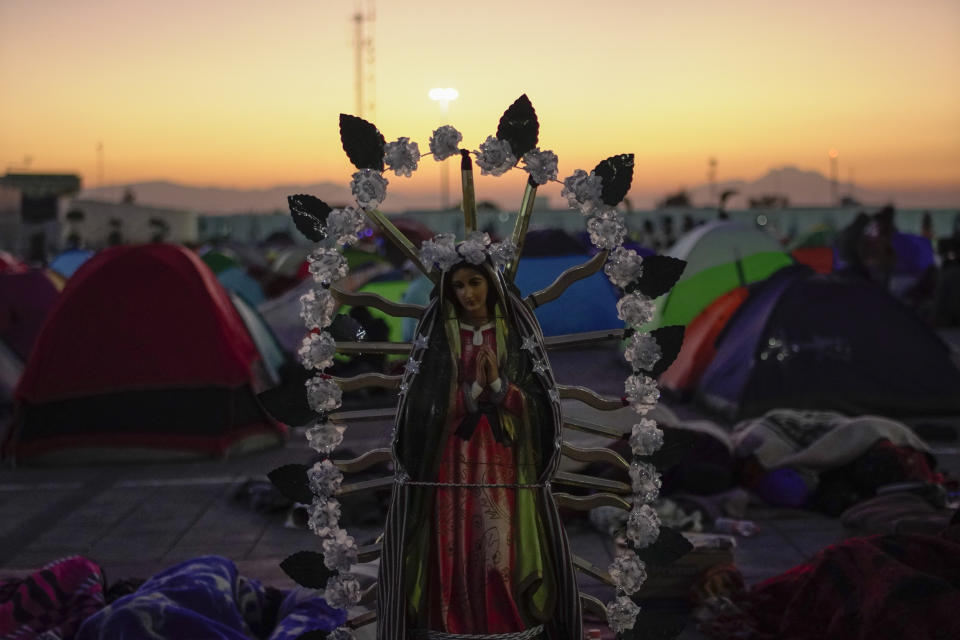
pixel 712 178
pixel 364 57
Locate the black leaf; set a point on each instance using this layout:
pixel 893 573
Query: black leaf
pixel 669 547
pixel 519 127
pixel 670 340
pixel 656 625
pixel 660 273
pixel 291 480
pixel 362 142
pixel 617 174
pixel 306 568
pixel 677 443
pixel 309 215
pixel 288 402
pixel 316 634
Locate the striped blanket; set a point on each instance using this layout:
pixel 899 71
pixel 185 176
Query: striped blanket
pixel 51 603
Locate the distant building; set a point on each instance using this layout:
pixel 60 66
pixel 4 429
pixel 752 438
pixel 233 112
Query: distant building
pixel 42 196
pixel 94 224
pixel 10 219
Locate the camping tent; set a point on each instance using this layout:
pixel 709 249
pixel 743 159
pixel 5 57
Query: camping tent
pixel 698 349
pixel 820 259
pixel 566 313
pixel 142 357
pixel 282 313
pixel 9 263
pixel 233 276
pixel 720 256
pixel 26 298
pixel 67 262
pixel 561 316
pixel 827 342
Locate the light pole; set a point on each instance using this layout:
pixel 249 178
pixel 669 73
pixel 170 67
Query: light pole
pixel 833 154
pixel 444 97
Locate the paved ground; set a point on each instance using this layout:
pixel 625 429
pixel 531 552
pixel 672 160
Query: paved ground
pixel 137 519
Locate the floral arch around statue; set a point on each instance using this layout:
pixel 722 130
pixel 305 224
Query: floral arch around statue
pixel 478 428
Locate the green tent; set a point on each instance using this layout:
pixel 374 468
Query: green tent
pixel 820 236
pixel 392 290
pixel 721 256
pixel 219 262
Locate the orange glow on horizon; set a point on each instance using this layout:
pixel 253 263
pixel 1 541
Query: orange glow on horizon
pixel 243 94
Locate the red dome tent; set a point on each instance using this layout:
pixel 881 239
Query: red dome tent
pixel 143 356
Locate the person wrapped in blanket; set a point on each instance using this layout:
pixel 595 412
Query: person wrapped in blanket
pixel 473 544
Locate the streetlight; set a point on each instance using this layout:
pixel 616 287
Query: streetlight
pixel 833 154
pixel 444 97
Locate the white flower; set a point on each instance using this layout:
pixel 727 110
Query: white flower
pixel 646 481
pixel 646 437
pixel 539 367
pixel 582 191
pixel 317 307
pixel 642 351
pixel 628 571
pixel 643 525
pixel 444 142
pixel 442 250
pixel 342 592
pixel 502 253
pixel 541 165
pixel 317 350
pixel 421 342
pixel 474 248
pixel 495 157
pixel 327 265
pixel 369 187
pixel 402 156
pixel 554 394
pixel 412 367
pixel 339 551
pixel 343 225
pixel 636 309
pixel 323 394
pixel 324 515
pixel 642 392
pixel 341 633
pixel 622 614
pixel 607 230
pixel 623 267
pixel 325 479
pixel 528 343
pixel 325 436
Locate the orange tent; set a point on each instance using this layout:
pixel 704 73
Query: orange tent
pixel 683 375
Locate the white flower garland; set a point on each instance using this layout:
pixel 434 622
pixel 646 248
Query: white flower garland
pixel 327 265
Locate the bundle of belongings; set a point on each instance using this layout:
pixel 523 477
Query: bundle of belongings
pixel 831 462
pixel 900 586
pixel 200 598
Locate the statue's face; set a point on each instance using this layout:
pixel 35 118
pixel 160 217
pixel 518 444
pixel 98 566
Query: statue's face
pixel 470 287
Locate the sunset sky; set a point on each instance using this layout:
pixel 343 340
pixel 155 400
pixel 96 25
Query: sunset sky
pixel 246 93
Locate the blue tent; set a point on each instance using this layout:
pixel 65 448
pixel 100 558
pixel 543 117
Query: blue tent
pixel 587 305
pixel 69 261
pixel 237 280
pixel 810 341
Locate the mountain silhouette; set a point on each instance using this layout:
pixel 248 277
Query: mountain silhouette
pixel 224 200
pixel 801 186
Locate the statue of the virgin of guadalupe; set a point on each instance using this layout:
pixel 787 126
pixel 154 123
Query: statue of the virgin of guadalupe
pixel 473 545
